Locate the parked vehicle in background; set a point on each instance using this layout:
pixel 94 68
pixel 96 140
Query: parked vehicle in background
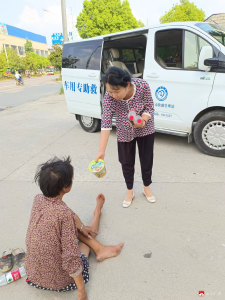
pixel 184 64
pixel 8 72
pixel 50 70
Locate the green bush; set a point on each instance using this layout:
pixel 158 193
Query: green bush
pixel 59 79
pixel 61 91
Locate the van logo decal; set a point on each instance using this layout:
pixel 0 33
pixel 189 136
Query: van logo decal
pixel 161 93
pixel 205 78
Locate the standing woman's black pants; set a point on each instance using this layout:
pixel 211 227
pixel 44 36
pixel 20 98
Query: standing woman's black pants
pixel 127 151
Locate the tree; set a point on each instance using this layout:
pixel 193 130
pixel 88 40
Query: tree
pixel 140 24
pixel 100 17
pixel 3 62
pixel 43 62
pixel 185 11
pixel 13 58
pixel 28 46
pixel 30 61
pixel 55 56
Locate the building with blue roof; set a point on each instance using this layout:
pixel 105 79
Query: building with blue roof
pixel 15 38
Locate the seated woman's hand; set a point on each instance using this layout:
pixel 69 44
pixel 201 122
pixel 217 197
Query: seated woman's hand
pixel 87 231
pixel 82 295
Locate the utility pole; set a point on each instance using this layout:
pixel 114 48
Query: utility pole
pixel 64 20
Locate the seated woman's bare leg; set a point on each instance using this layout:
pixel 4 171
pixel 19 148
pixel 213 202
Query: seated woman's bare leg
pixel 102 252
pixel 94 223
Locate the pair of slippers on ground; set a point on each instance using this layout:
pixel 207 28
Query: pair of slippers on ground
pixel 11 257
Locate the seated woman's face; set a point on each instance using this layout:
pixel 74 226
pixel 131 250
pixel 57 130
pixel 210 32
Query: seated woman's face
pixel 117 92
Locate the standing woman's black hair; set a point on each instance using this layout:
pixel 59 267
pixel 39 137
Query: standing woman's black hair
pixel 116 77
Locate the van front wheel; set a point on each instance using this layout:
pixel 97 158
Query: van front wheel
pixel 209 133
pixel 89 124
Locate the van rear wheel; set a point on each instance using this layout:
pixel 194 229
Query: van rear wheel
pixel 89 124
pixel 209 133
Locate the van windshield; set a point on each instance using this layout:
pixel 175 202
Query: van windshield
pixel 216 31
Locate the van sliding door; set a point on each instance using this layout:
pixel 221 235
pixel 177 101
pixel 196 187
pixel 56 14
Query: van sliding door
pixel 81 65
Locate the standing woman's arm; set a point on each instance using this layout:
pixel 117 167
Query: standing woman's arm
pixel 106 126
pixel 149 104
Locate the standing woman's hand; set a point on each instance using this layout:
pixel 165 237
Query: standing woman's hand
pixel 137 125
pixel 101 155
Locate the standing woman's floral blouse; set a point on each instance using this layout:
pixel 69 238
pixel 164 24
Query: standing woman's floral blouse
pixel 53 257
pixel 143 104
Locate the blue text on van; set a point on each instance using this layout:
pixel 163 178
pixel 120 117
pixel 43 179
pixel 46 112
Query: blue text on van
pixel 81 87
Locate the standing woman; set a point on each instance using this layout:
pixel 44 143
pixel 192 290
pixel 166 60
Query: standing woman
pixel 123 94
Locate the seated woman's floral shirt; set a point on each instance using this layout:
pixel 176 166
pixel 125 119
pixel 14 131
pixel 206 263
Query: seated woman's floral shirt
pixel 53 257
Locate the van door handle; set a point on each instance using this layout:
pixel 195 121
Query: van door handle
pixel 92 75
pixel 153 75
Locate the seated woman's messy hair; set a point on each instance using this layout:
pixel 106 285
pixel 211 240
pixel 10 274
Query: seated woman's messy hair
pixel 116 77
pixel 54 175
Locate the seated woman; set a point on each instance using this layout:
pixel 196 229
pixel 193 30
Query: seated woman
pixel 57 255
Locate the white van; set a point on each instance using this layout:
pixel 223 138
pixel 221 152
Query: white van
pixel 184 64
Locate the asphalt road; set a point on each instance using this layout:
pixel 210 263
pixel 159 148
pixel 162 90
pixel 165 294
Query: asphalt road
pixel 12 95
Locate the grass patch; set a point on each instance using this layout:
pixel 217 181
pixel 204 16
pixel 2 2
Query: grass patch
pixel 61 91
pixel 59 79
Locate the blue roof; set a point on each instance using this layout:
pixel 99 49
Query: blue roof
pixel 20 33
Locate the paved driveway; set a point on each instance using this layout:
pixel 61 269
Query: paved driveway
pixel 173 248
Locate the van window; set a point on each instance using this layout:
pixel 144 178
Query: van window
pixel 139 54
pixel 127 55
pixel 192 48
pixel 82 55
pixel 94 61
pixel 215 30
pixel 169 48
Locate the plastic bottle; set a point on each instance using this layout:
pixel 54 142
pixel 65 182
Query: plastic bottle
pixel 138 119
pixel 12 276
pixel 132 115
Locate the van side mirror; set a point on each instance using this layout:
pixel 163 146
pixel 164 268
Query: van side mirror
pixel 205 54
pixel 212 62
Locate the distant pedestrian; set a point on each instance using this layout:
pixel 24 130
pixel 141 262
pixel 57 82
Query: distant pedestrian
pixel 18 76
pixel 124 94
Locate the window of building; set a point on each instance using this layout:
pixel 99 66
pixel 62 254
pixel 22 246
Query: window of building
pixel 14 47
pixel 38 52
pixel 169 48
pixel 42 53
pixel 192 47
pixel 82 55
pixel 21 50
pixel 6 45
pixel 46 53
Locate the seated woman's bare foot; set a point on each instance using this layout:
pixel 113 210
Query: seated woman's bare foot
pixel 109 251
pixel 100 202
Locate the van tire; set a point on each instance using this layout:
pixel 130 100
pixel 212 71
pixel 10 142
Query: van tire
pixel 92 125
pixel 203 126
